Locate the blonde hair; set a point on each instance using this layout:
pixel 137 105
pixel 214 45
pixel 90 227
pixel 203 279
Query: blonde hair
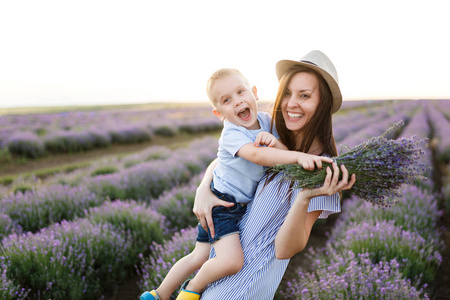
pixel 219 74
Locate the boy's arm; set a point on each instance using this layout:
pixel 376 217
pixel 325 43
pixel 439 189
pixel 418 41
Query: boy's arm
pixel 270 156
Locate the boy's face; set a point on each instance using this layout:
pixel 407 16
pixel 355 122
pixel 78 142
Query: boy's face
pixel 235 101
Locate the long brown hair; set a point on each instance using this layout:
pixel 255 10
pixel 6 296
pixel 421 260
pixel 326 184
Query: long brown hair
pixel 320 125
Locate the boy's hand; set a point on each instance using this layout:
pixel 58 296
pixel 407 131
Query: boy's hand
pixel 265 139
pixel 309 161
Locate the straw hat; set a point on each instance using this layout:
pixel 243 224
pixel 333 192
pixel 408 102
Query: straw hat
pixel 319 62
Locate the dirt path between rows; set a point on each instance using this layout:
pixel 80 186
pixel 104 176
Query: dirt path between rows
pixel 58 160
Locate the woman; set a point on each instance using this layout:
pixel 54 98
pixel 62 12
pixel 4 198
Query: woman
pixel 278 221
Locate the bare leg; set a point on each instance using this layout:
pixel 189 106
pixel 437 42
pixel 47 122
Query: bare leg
pixel 229 260
pixel 183 268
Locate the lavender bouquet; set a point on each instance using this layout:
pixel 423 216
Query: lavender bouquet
pixel 381 167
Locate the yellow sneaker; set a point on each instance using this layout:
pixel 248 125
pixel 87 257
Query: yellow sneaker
pixel 186 294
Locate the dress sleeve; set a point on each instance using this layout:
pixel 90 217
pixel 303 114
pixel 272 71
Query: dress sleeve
pixel 328 204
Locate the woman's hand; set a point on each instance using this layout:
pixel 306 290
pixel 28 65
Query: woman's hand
pixel 332 185
pixel 296 229
pixel 204 202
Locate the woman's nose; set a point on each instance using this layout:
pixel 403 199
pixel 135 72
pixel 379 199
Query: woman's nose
pixel 292 102
pixel 295 101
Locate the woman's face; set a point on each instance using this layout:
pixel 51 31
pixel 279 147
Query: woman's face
pixel 300 101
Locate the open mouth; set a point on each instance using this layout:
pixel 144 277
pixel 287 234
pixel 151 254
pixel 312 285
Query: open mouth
pixel 244 114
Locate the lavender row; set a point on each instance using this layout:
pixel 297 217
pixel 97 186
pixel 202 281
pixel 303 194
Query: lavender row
pixel 75 260
pixel 352 276
pixel 30 145
pixel 42 124
pixel 109 165
pixel 419 126
pixel 443 106
pixel 40 207
pixel 155 267
pixel 148 180
pixel 176 206
pixel 79 176
pixel 440 129
pixel 74 178
pixel 83 258
pixel 378 125
pixel 376 254
pixel 346 123
pixel 75 132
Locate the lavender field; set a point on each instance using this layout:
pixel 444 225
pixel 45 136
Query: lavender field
pixel 38 135
pixel 82 234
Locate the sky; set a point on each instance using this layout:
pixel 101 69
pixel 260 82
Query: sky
pixel 55 53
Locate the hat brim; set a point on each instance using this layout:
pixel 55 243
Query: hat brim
pixel 283 65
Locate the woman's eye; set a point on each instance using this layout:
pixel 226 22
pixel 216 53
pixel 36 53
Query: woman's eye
pixel 304 96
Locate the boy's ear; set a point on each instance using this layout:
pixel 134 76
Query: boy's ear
pixel 218 114
pixel 255 90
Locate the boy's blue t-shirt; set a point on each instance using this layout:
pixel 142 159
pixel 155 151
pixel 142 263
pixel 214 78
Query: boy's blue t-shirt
pixel 234 175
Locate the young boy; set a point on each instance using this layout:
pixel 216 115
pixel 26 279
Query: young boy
pixel 240 166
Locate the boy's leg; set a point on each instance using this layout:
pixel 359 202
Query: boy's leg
pixel 183 268
pixel 229 260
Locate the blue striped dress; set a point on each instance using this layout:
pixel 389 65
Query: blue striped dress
pixel 262 271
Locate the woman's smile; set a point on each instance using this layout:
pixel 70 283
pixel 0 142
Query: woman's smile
pixel 295 115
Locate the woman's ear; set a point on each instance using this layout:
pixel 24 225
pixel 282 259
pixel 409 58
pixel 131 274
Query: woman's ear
pixel 218 114
pixel 255 90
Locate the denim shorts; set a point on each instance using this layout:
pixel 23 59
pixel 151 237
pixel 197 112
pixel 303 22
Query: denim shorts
pixel 225 219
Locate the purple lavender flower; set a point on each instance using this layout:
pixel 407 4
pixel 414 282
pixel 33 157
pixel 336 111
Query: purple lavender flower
pixel 154 268
pixel 418 258
pixel 82 130
pixel 143 224
pixel 8 226
pixel 381 167
pixel 36 209
pixel 70 260
pixel 352 276
pixel 441 128
pixel 374 124
pixel 25 144
pixel 8 289
pixel 148 180
pixel 176 205
pixel 417 211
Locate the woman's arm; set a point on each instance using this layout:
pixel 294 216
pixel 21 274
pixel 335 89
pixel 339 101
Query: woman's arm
pixel 205 200
pixel 294 233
